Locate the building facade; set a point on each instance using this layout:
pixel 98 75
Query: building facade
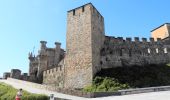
pixel 88 50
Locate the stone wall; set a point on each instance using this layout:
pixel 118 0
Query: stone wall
pixel 6 75
pixel 54 77
pixel 15 73
pixel 46 59
pixel 118 52
pixel 92 94
pixel 25 77
pixel 89 50
pixel 98 36
pixel 78 71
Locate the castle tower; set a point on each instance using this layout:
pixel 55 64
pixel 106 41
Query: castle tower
pixel 31 59
pixel 85 36
pixel 162 31
pixel 42 60
pixel 57 52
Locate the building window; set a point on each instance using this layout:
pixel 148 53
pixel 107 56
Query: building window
pixel 165 50
pixel 149 50
pixel 157 50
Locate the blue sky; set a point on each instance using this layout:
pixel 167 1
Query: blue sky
pixel 23 23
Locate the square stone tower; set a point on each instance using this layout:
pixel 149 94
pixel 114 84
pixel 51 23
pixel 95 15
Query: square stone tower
pixel 162 31
pixel 85 37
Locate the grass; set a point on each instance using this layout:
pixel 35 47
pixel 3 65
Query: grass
pixel 7 92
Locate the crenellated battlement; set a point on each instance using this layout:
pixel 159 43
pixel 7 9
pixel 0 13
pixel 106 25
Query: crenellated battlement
pixel 89 51
pixel 83 9
pixel 53 70
pixel 134 40
pixel 54 76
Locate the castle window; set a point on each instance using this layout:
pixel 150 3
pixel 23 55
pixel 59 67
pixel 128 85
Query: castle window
pixel 165 50
pixel 73 12
pixel 106 59
pixel 83 9
pixel 130 53
pixel 111 52
pixel 101 63
pixel 121 52
pixel 149 51
pixel 157 50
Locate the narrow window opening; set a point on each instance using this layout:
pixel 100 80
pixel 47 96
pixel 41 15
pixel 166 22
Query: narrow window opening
pixel 157 50
pixel 101 63
pixel 149 51
pixel 165 50
pixel 83 9
pixel 106 59
pixel 120 52
pixel 73 12
pixel 130 53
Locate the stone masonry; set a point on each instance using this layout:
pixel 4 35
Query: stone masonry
pixel 85 36
pixel 88 50
pixel 15 73
pixel 6 75
pixel 47 58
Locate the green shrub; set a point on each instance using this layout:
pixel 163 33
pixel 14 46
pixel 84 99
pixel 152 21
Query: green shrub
pixel 106 84
pixel 8 93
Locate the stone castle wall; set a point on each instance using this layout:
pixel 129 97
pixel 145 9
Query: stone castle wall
pixel 117 52
pixel 98 37
pixel 6 75
pixel 78 71
pixel 46 59
pixel 54 77
pixel 89 51
pixel 15 73
pixel 85 36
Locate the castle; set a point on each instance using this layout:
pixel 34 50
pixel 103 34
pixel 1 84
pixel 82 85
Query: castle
pixel 88 50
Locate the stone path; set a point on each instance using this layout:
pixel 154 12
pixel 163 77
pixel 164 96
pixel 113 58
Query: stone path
pixel 164 95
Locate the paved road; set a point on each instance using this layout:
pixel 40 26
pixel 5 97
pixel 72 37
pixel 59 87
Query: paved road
pixel 164 95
